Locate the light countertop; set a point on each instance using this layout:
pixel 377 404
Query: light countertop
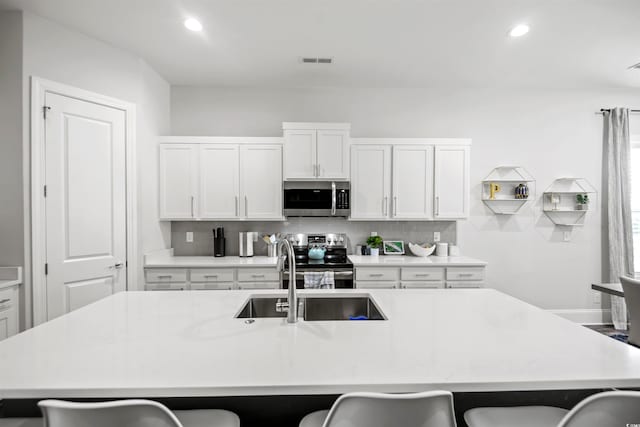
pixel 10 276
pixel 162 261
pixel 405 260
pixel 155 344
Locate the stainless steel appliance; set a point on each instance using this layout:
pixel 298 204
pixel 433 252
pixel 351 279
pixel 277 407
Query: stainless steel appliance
pixel 317 198
pixel 246 240
pixel 335 258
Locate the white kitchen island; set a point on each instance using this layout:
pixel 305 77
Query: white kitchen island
pixel 168 344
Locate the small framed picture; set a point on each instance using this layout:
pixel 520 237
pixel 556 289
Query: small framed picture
pixel 393 247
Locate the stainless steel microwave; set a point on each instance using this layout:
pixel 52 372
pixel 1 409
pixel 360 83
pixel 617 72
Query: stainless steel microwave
pixel 317 198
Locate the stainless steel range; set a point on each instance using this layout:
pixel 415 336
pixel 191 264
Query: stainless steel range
pixel 321 252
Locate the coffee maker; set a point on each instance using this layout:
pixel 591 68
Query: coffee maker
pixel 219 242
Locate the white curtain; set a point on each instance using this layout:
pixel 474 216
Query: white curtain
pixel 617 148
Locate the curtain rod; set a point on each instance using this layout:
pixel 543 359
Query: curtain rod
pixel 606 110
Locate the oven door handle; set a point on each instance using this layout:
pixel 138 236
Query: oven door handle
pixel 333 198
pixel 335 273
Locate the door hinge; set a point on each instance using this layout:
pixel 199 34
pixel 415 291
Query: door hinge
pixel 46 269
pixel 45 108
pixel 45 191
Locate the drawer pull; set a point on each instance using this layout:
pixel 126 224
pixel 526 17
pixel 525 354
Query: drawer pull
pixel 211 276
pixel 465 274
pixel 423 275
pixel 5 300
pixel 376 274
pixel 257 275
pixel 165 276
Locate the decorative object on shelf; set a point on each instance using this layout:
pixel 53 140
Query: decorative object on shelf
pixel 522 191
pixel 507 188
pixel 583 201
pixel 442 249
pixel 393 247
pixel 566 201
pixel 493 189
pixel 423 250
pixel 374 243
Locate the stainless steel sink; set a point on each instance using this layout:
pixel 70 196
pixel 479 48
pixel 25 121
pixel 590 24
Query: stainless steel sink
pixel 315 307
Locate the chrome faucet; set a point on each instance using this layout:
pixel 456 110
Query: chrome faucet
pixel 291 306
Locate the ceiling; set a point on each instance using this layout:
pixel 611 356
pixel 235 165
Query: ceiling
pixel 374 43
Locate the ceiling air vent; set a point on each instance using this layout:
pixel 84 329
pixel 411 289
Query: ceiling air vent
pixel 309 60
pixel 635 66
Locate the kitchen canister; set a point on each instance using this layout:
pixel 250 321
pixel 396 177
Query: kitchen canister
pixel 454 250
pixel 442 249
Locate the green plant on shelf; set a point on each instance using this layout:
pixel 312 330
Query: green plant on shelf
pixel 374 242
pixel 582 198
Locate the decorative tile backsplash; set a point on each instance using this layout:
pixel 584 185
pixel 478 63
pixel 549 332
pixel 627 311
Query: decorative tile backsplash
pixel 357 232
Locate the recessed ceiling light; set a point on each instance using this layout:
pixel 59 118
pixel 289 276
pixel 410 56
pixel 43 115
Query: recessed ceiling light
pixel 193 24
pixel 519 30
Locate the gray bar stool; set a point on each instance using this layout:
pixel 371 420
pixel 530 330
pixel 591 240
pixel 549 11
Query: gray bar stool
pixel 611 408
pixel 427 409
pixel 130 413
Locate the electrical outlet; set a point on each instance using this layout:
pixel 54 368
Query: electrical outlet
pixel 189 237
pixel 436 236
pixel 597 298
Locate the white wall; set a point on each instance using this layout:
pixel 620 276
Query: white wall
pixel 56 53
pixel 552 133
pixel 11 215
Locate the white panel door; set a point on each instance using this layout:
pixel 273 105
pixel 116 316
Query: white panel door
pixel 451 182
pixel 412 182
pixel 85 204
pixel 370 181
pixel 300 160
pixel 219 181
pixel 333 154
pixel 261 181
pixel 178 181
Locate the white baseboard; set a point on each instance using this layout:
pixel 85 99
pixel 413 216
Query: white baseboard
pixel 585 317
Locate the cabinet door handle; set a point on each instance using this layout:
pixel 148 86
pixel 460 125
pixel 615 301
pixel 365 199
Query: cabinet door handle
pixel 384 205
pixel 395 205
pixel 237 209
pixel 246 206
pixel 437 205
pixel 192 199
pixel 319 170
pixel 5 300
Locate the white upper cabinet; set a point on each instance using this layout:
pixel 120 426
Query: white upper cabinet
pixel 412 182
pixel 221 178
pixel 261 181
pixel 451 184
pixel 370 181
pixel 300 154
pixel 178 181
pixel 333 154
pixel 316 151
pixel 219 181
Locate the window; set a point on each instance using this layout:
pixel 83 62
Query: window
pixel 635 200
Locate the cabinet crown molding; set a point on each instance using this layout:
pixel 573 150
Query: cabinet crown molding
pixel 315 126
pixel 410 141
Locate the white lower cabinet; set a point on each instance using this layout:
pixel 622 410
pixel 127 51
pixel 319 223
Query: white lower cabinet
pixel 166 286
pixel 209 286
pixel 8 312
pixel 258 285
pixel 419 277
pixel 211 279
pixel 377 285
